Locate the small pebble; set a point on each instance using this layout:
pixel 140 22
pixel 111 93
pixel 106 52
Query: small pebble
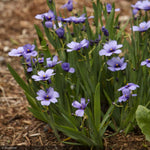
pixel 6 49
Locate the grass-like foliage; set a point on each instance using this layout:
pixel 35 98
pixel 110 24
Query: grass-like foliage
pixel 96 78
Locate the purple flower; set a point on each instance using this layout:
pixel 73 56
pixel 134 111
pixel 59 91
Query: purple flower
pixel 116 64
pixel 29 63
pixel 81 107
pixel 134 11
pixel 41 60
pixel 126 95
pixel 110 48
pixel 43 75
pixel 68 20
pixel 68 5
pixel 85 43
pixel 146 62
pixel 74 46
pixel 74 19
pixel 52 63
pixel 49 17
pixel 29 51
pixel 105 31
pixel 130 86
pixel 145 5
pixel 60 32
pixel 109 8
pixel 143 26
pixel 47 97
pixel 16 52
pixel 137 5
pixel 66 67
pixel 80 19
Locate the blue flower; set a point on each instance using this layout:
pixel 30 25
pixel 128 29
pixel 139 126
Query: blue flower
pixel 68 20
pixel 60 32
pixel 116 64
pixel 143 26
pixel 66 67
pixel 41 60
pixel 105 31
pixel 47 97
pixel 74 46
pixel 126 95
pixel 26 51
pixel 29 51
pixel 146 62
pixel 43 76
pixel 109 8
pixel 110 48
pixel 80 19
pixel 49 17
pixel 52 63
pixel 145 5
pixel 68 5
pixel 74 19
pixel 137 5
pixel 130 86
pixel 134 11
pixel 29 62
pixel 17 52
pixel 81 107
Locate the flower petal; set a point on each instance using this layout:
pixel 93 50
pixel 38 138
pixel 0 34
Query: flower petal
pixel 76 104
pixel 53 100
pixel 79 112
pixel 143 63
pixel 102 52
pixel 45 103
pixel 82 101
pixel 71 70
pixel 36 78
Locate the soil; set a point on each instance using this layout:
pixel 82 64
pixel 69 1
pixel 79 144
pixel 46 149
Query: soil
pixel 18 127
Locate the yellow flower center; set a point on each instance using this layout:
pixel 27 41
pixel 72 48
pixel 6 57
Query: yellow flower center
pixel 47 97
pixel 44 76
pixel 28 50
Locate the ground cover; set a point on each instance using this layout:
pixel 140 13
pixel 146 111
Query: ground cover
pixel 18 126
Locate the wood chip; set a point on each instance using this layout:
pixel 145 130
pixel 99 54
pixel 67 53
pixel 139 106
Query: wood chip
pixel 27 122
pixel 36 134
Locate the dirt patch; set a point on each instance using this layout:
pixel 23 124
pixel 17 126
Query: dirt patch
pixel 17 125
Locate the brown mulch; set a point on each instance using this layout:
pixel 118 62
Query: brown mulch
pixel 18 127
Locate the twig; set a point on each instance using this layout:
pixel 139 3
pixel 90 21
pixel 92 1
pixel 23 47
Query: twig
pixel 40 140
pixel 28 140
pixel 37 127
pixel 13 142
